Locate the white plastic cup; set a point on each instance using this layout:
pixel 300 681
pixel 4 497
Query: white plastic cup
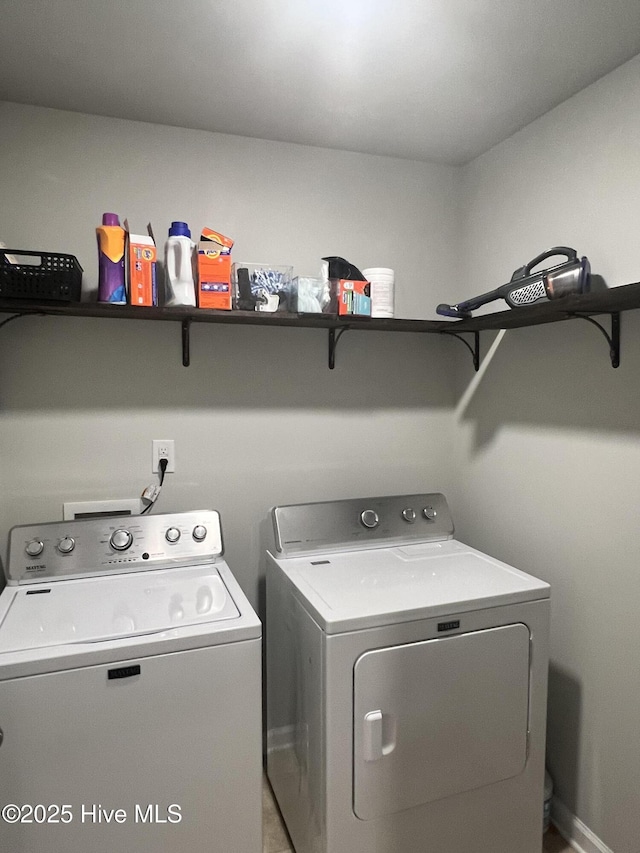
pixel 382 280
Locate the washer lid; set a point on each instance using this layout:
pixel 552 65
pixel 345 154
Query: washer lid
pixel 92 610
pixel 363 589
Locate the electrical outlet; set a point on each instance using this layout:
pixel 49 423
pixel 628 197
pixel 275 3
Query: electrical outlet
pixel 163 448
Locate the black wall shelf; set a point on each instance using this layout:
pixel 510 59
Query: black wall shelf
pixel 585 306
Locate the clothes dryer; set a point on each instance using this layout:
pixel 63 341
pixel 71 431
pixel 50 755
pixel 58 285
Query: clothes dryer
pixel 406 683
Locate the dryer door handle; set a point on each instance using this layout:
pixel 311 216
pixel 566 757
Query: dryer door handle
pixel 372 736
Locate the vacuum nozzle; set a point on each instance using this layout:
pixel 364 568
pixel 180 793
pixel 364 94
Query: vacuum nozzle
pixel 452 311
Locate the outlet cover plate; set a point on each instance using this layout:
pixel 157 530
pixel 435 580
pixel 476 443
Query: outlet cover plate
pixel 163 448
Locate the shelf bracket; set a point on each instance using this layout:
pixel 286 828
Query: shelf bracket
pixel 16 317
pixel 612 339
pixel 474 350
pixel 186 355
pixel 333 343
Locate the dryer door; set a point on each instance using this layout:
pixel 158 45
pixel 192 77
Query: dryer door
pixel 439 717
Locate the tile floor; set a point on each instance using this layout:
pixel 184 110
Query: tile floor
pixel 276 840
pixel 274 836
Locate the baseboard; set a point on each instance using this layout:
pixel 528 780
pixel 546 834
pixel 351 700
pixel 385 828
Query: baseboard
pixel 575 831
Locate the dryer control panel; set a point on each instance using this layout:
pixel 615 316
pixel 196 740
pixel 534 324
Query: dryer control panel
pixel 361 523
pixel 111 545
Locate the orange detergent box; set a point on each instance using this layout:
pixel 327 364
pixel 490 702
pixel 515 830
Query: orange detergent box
pixel 214 270
pixel 142 285
pixel 354 297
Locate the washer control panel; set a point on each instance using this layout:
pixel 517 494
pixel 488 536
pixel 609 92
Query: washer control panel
pixel 361 523
pixel 86 547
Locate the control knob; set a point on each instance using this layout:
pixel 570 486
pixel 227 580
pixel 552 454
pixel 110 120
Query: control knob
pixel 199 532
pixel 121 539
pixel 172 534
pixel 409 514
pixel 429 513
pixel 369 518
pixel 66 545
pixel 35 547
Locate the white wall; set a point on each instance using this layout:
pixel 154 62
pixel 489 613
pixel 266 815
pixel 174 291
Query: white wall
pixel 547 440
pixel 281 203
pixel 547 465
pixel 258 419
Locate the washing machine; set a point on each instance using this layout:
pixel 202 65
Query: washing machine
pixel 406 683
pixel 130 690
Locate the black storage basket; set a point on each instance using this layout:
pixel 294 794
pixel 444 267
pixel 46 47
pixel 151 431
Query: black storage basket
pixel 42 276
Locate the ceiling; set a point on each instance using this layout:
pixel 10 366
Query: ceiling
pixel 436 80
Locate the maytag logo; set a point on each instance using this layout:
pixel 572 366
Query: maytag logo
pixel 448 626
pixel 35 568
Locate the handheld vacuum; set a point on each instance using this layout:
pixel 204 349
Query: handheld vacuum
pixel 525 287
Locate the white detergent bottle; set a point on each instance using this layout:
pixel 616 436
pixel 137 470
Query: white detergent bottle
pixel 178 259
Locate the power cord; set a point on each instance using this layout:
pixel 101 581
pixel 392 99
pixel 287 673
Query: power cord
pixel 152 493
